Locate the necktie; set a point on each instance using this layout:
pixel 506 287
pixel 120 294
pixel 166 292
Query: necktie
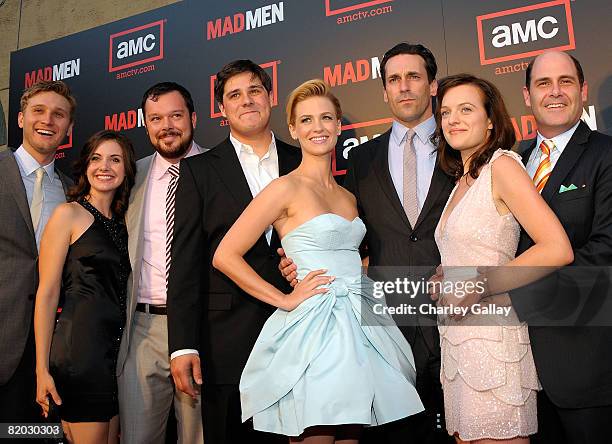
pixel 411 206
pixel 37 198
pixel 170 198
pixel 545 167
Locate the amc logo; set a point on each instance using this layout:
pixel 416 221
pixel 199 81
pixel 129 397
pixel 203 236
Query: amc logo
pixel 136 46
pixel 272 70
pixel 525 32
pixel 353 135
pixel 333 7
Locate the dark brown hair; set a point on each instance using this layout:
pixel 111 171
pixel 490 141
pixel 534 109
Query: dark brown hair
pixel 238 67
pixel 56 86
pixel 501 136
pixel 159 89
pixel 412 49
pixel 82 186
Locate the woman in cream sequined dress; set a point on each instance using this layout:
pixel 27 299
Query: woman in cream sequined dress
pixel 488 374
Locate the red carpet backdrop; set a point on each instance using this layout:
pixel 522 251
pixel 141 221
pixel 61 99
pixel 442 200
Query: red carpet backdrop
pixel 341 41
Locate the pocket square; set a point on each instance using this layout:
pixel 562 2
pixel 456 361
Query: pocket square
pixel 563 188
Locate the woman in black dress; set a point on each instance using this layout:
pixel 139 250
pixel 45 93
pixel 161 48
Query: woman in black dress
pixel 83 255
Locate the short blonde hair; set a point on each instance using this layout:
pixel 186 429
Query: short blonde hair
pixel 311 88
pixel 56 86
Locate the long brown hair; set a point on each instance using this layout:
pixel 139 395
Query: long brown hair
pixel 82 186
pixel 501 135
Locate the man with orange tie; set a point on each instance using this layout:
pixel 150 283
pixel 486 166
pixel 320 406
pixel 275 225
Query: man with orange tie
pixel 572 168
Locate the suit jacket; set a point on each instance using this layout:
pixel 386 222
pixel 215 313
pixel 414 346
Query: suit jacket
pixel 206 310
pixel 134 219
pixel 574 363
pixel 391 240
pixel 19 257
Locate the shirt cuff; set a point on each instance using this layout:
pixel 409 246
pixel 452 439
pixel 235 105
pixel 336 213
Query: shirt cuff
pixel 185 351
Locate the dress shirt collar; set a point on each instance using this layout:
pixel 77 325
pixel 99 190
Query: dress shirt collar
pixel 561 140
pixel 29 164
pixel 161 165
pixel 423 130
pixel 239 147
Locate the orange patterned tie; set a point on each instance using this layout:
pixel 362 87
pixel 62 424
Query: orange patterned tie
pixel 545 167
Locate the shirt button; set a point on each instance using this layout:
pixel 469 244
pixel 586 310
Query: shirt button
pixel 414 238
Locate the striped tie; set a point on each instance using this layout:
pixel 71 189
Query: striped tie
pixel 545 167
pixel 170 195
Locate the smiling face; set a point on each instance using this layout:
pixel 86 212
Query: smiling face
pixel 465 123
pixel 408 91
pixel 45 121
pixel 169 125
pixel 246 105
pixel 555 95
pixel 316 125
pixel 106 167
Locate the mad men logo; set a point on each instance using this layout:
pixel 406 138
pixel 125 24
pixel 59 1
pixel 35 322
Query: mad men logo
pixel 525 32
pixel 245 21
pixel 353 135
pixel 61 71
pixel 334 7
pixel 124 120
pixel 136 46
pixel 352 71
pixel 272 70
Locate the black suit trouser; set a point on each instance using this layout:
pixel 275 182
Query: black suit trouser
pixel 428 426
pixel 558 425
pixel 18 395
pixel 221 418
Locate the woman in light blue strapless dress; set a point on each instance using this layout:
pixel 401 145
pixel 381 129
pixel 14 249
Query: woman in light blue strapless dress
pixel 325 364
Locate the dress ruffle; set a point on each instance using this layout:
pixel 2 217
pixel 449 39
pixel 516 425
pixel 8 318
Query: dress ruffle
pixel 372 379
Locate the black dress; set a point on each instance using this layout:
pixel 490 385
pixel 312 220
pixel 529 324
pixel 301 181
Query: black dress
pixel 85 343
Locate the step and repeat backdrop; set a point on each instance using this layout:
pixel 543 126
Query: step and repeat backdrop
pixel 341 41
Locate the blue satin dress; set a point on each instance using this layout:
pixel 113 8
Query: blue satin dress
pixel 331 360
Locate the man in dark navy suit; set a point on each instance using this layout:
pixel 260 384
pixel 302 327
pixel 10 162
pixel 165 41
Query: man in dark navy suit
pixel 572 167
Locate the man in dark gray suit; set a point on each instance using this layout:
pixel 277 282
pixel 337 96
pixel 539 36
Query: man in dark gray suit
pixel 30 189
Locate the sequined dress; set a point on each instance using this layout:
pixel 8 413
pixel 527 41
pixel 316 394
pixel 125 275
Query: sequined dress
pixel 333 359
pixel 85 343
pixel 487 371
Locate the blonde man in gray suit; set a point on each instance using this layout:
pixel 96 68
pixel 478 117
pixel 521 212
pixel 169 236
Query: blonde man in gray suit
pixel 30 189
pixel 146 389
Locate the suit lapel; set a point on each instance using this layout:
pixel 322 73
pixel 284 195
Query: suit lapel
pixel 10 171
pixel 230 171
pixel 66 182
pixel 381 168
pixel 525 155
pixel 566 162
pixel 286 163
pixel 439 182
pixel 134 220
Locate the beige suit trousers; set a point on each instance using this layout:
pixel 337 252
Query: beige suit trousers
pixel 146 389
